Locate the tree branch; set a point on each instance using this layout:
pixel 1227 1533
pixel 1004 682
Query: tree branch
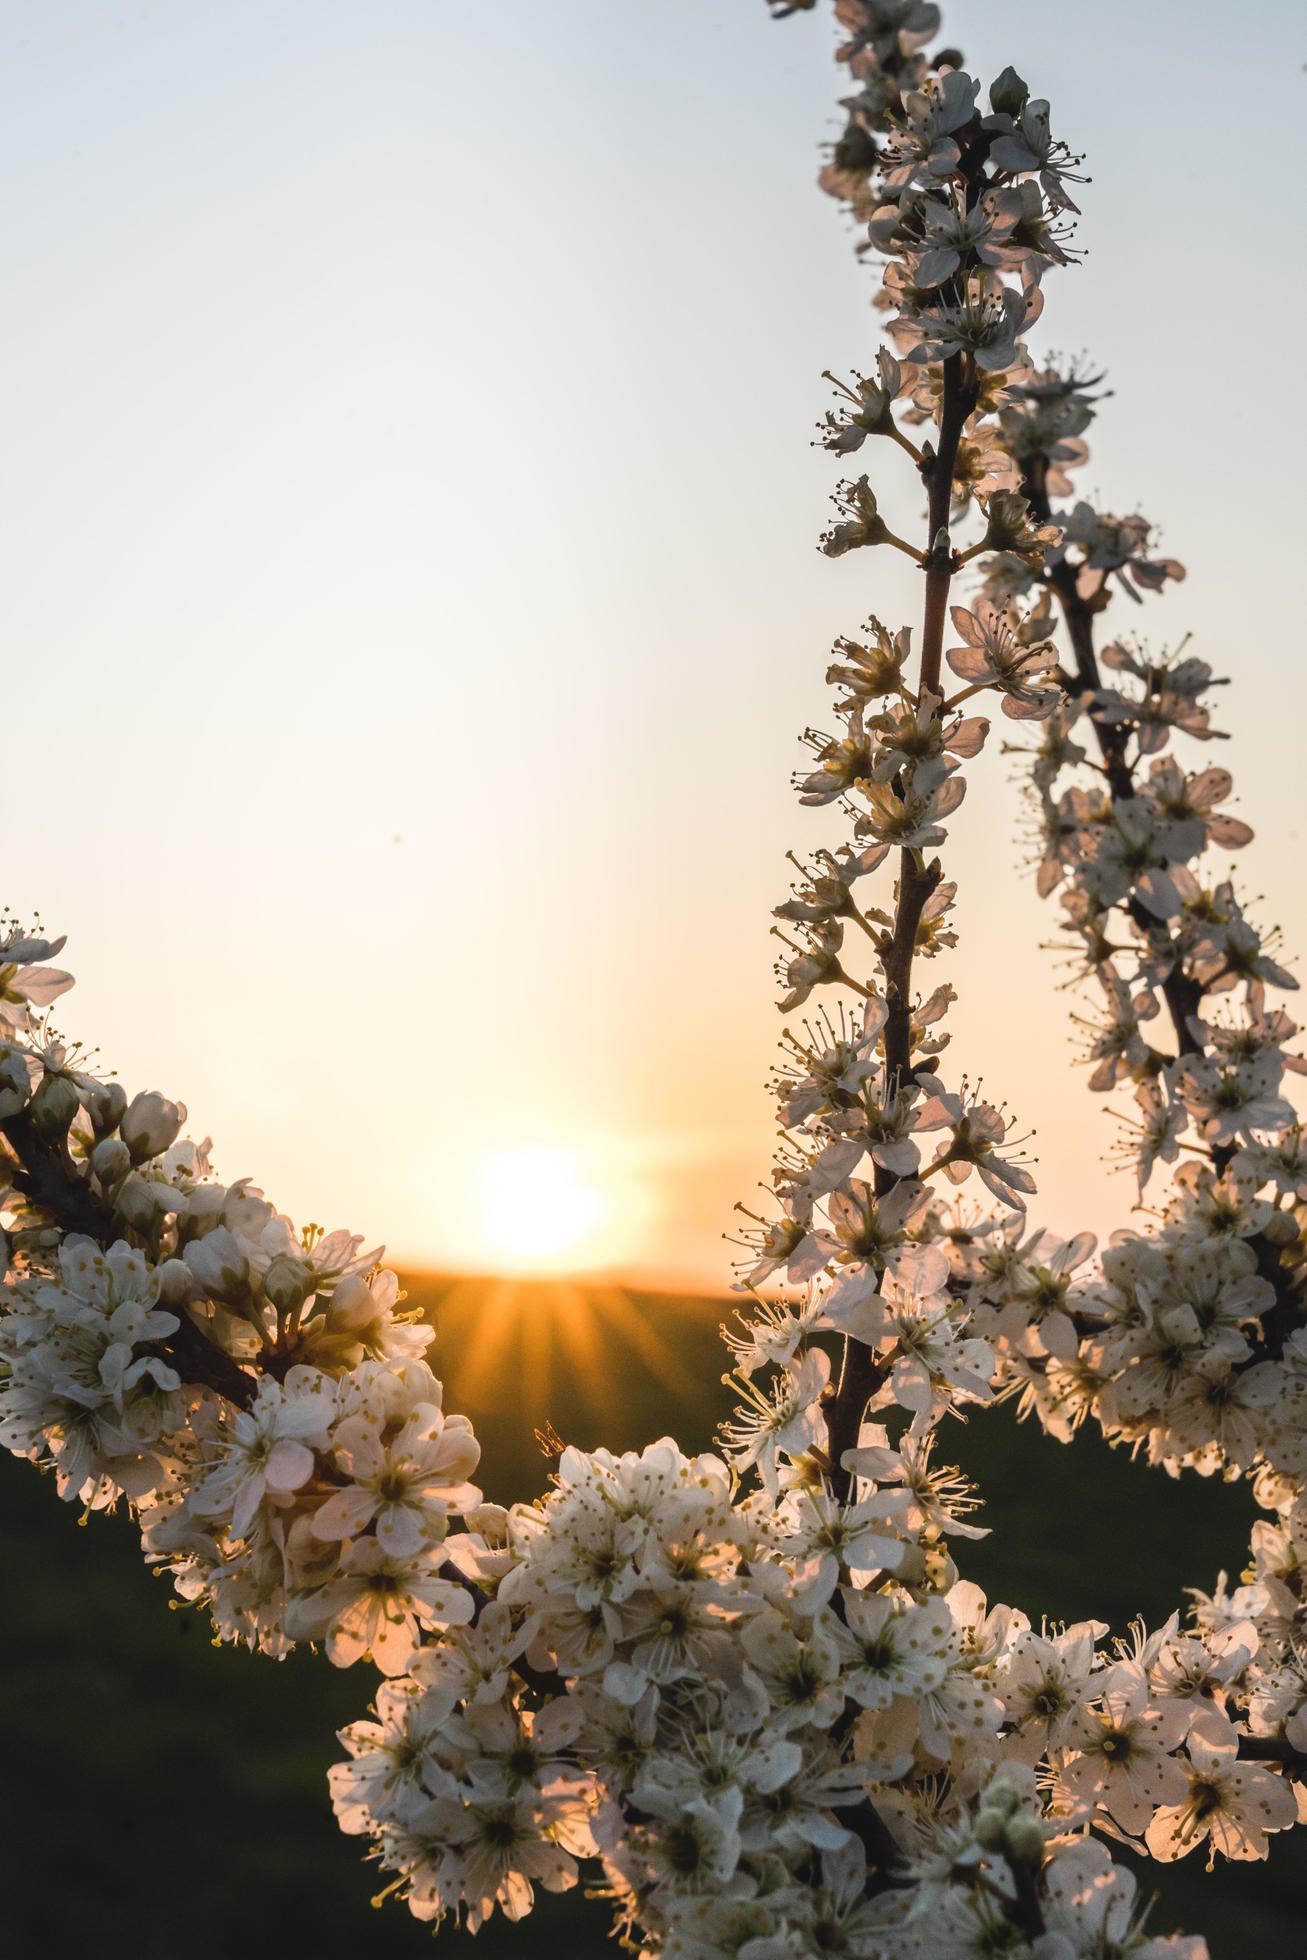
pixel 860 1374
pixel 46 1176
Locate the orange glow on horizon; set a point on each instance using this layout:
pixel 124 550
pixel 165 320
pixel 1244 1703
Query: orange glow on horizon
pixel 544 1333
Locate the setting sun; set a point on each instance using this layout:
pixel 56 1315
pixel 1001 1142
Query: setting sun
pixel 538 1205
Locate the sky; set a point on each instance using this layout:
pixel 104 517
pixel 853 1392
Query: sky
pixel 409 594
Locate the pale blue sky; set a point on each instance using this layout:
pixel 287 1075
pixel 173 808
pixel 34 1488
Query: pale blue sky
pixel 406 436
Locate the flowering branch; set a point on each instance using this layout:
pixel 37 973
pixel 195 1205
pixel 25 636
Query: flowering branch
pixel 751 1686
pixel 253 1394
pixel 643 1595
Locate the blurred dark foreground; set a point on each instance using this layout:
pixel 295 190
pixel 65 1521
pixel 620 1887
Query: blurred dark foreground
pixel 161 1798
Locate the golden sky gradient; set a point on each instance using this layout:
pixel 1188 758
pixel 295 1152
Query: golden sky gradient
pixel 411 583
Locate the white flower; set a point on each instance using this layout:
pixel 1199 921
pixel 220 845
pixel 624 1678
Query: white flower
pixel 25 983
pixel 800 1672
pixel 490 1854
pixel 1125 1763
pixel 268 1450
pixel 977 1129
pixel 395 1759
pixel 1090 1910
pixel 404 1486
pixel 151 1124
pixel 827 1540
pixel 376 1606
pixel 787 1422
pixel 1232 1805
pixel 995 657
pixel 697 1849
pixel 894 1648
pixel 1045 1683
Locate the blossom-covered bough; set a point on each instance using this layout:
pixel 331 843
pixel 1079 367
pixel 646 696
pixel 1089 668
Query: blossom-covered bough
pixel 255 1394
pixel 750 1692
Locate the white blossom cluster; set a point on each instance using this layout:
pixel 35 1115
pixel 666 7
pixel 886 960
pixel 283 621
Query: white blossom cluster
pixel 750 1693
pixel 256 1395
pixel 699 1687
pixel 1187 1342
pixel 754 1686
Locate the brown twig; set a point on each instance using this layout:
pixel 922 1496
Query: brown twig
pixel 44 1173
pixel 860 1374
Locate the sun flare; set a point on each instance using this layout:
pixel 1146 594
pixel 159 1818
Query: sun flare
pixel 539 1207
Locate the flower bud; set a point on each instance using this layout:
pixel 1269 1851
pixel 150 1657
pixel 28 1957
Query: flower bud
pixel 287 1283
pixel 1008 94
pixel 1000 1795
pixel 135 1203
pixel 220 1267
pixel 491 1520
pixel 988 1828
pixel 857 149
pixel 911 1569
pixel 54 1105
pixel 150 1124
pixel 105 1103
pixel 111 1160
pixel 176 1282
pixel 1023 1840
pixel 15 1081
pixel 1281 1228
pixel 352 1304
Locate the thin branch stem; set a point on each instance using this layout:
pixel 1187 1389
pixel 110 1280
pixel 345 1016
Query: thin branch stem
pixel 860 1374
pixel 908 550
pixel 46 1176
pixel 905 443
